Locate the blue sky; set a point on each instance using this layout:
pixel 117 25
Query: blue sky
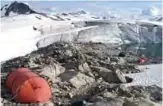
pixel 118 7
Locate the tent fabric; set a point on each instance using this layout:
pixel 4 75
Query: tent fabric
pixel 13 74
pixel 27 87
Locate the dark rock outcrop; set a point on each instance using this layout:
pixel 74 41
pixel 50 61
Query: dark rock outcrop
pixel 18 8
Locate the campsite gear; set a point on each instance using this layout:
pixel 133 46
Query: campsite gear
pixel 28 87
pixel 141 60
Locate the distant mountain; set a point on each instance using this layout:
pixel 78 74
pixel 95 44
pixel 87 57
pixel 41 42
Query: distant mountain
pixel 77 15
pixel 16 8
pixel 159 19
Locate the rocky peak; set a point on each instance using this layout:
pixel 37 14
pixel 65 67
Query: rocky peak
pixel 17 8
pixel 74 13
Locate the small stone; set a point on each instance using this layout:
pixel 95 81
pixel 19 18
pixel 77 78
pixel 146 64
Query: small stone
pixel 114 59
pixel 113 63
pixel 90 74
pixel 49 104
pixel 122 54
pixel 20 104
pixel 121 61
pixel 40 104
pixel 96 98
pixel 68 53
pixel 70 95
pixel 14 104
pixel 4 101
pixel 79 103
pixel 84 67
pixel 108 60
pixel 5 104
pixel 108 94
pixel 129 102
pixel 1 99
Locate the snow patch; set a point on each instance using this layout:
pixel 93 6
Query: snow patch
pixel 152 75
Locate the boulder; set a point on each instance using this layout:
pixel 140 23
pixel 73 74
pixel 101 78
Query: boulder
pixel 51 71
pixel 114 59
pixel 110 76
pixel 49 104
pixel 100 69
pixel 68 53
pixel 84 67
pixel 121 60
pixel 80 80
pixel 120 76
pixel 156 96
pixel 77 79
pixel 108 94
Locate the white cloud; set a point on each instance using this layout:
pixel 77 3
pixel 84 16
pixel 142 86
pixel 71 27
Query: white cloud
pixel 151 11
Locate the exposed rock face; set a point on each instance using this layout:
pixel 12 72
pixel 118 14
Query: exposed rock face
pixel 17 8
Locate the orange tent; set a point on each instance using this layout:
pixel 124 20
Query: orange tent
pixel 27 87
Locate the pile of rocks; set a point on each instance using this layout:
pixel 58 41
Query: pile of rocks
pixel 88 74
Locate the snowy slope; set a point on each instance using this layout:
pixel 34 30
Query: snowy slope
pixel 15 43
pixel 19 37
pixel 21 32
